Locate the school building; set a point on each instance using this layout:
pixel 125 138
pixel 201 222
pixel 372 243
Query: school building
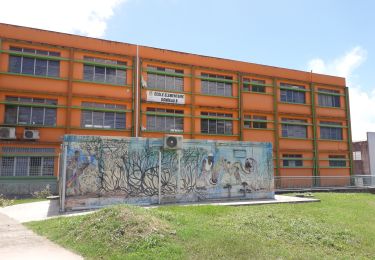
pixel 52 84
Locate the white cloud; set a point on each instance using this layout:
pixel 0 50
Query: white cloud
pixel 361 102
pixel 85 17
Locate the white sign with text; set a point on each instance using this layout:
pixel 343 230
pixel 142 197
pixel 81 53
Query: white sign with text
pixel 165 97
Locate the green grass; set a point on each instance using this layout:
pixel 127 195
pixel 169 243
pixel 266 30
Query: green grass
pixel 341 226
pixel 28 200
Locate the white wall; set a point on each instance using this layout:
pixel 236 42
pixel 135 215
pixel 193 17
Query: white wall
pixel 371 151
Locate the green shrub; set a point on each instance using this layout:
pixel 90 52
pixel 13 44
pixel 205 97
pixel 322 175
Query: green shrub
pixel 43 194
pixel 4 202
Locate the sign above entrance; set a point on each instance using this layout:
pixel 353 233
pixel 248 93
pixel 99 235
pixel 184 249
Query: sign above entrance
pixel 165 97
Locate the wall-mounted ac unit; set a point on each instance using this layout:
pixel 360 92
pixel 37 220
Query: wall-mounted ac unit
pixel 31 134
pixel 7 133
pixel 173 142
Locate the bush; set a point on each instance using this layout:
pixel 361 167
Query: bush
pixel 4 202
pixel 43 194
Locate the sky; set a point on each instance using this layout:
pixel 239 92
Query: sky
pixel 335 37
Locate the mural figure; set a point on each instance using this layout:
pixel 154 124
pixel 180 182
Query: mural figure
pixel 75 169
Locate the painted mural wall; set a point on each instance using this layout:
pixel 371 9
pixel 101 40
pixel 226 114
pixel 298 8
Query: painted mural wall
pixel 109 170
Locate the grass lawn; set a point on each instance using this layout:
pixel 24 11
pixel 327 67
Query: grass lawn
pixel 341 226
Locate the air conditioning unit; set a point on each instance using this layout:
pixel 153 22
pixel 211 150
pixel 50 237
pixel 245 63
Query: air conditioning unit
pixel 7 133
pixel 173 142
pixel 31 134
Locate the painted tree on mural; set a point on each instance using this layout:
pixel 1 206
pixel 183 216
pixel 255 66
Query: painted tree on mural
pixel 129 168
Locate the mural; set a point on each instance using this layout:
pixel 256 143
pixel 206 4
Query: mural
pixel 108 170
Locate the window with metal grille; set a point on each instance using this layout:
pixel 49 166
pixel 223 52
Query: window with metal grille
pixel 218 125
pixel 20 162
pixel 292 160
pixel 108 71
pixel 168 122
pixel 93 116
pixel 165 78
pixel 42 66
pixel 32 111
pixel 331 130
pixel 216 85
pixel 27 166
pixel 254 85
pixel 292 93
pixel 292 128
pixel 255 122
pixel 337 161
pixel 331 99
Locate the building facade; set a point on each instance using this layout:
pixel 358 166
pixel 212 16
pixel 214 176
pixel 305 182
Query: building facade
pixel 52 84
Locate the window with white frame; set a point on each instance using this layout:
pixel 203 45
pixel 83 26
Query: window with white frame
pixel 165 78
pixel 165 120
pixel 23 162
pixel 357 156
pixel 98 115
pixel 331 130
pixel 44 65
pixel 292 93
pixel 294 128
pixel 30 111
pixel 216 123
pixel 329 98
pixel 216 84
pixel 104 71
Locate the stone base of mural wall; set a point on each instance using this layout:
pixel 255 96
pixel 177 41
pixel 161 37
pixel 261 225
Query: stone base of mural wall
pixel 24 187
pixel 84 202
pixel 108 170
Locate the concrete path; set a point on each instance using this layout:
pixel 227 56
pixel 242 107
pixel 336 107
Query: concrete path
pixel 18 242
pixel 47 209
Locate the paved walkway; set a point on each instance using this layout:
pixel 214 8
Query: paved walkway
pixel 18 242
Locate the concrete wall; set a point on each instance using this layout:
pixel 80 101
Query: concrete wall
pixel 108 170
pixel 24 187
pixel 371 151
pixel 361 167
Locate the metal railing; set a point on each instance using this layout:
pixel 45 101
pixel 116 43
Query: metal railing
pixel 323 182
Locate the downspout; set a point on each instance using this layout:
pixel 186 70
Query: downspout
pixel 137 96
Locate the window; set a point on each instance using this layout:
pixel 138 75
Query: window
pixel 254 85
pixel 256 122
pixel 106 72
pixel 26 165
pixel 330 130
pixel 165 82
pixel 337 161
pixel 357 156
pixel 294 128
pixel 292 93
pixel 331 99
pixel 292 160
pixel 34 66
pixel 93 116
pixel 170 123
pixel 216 126
pixel 216 85
pixel 32 111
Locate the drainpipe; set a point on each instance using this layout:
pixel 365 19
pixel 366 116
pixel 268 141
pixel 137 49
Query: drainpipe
pixel 62 206
pixel 137 96
pixel 159 184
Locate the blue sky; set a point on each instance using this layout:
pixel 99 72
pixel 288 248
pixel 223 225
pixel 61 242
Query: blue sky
pixel 332 37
